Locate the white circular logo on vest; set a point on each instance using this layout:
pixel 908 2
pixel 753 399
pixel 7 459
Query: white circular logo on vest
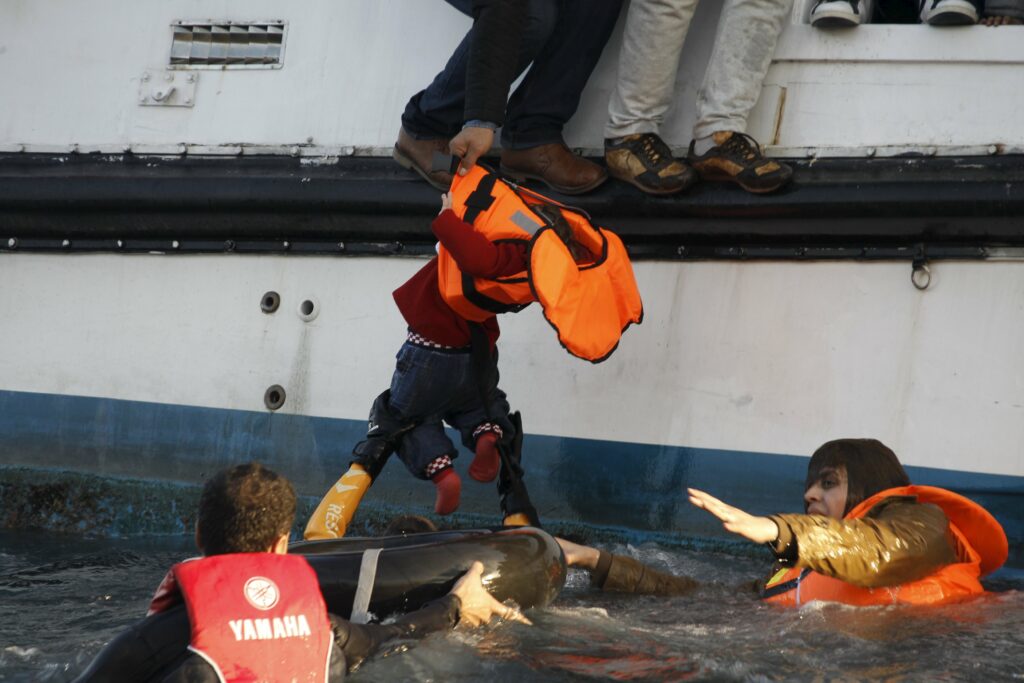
pixel 261 592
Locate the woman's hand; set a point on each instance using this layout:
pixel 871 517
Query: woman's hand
pixel 478 606
pixel 446 202
pixel 756 529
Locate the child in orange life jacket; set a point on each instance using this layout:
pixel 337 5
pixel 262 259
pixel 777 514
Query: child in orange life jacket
pixel 868 537
pixel 435 380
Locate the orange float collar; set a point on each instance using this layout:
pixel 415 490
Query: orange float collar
pixel 589 304
pixel 980 536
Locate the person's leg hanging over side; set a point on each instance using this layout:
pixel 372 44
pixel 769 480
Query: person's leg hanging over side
pixel 339 504
pixel 516 507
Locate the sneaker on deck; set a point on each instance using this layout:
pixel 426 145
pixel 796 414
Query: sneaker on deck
pixel 644 160
pixel 949 12
pixel 836 14
pixel 738 158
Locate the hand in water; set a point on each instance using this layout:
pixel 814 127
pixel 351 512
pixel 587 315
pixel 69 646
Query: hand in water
pixel 478 606
pixel 756 529
pixel 579 555
pixel 469 145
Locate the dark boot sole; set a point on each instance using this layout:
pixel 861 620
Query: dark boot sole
pixel 519 176
pixel 719 176
pixel 655 191
pixel 406 162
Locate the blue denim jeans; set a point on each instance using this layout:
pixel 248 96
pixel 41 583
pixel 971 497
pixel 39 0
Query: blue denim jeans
pixel 563 41
pixel 431 386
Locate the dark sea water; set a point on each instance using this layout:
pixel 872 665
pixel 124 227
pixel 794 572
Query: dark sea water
pixel 62 598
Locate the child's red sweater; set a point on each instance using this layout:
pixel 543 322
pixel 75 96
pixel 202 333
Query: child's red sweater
pixel 420 300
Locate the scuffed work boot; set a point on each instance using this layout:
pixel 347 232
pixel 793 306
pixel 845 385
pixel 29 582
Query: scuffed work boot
pixel 418 155
pixel 446 481
pixel 335 511
pixel 738 158
pixel 555 165
pixel 485 465
pixel 646 162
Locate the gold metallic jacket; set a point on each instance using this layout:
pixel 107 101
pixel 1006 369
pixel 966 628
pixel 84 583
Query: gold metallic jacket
pixel 897 541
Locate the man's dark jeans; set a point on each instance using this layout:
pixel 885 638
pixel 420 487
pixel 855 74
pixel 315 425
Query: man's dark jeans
pixel 563 41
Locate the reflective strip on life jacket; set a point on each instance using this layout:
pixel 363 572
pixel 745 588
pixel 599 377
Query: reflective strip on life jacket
pixel 257 616
pixel 980 536
pixel 589 303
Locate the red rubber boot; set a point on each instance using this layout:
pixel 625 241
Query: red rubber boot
pixel 485 465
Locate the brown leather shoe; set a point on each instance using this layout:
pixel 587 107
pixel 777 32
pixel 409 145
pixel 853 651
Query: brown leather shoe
pixel 418 155
pixel 556 166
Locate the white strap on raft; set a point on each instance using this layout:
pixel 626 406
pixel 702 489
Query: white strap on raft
pixel 367 576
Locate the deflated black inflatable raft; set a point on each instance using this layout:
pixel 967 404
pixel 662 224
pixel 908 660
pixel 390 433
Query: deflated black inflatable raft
pixel 371 577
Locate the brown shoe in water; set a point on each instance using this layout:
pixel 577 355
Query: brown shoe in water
pixel 644 160
pixel 418 155
pixel 556 166
pixel 738 157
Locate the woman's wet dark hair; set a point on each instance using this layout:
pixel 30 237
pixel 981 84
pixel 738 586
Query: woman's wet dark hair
pixel 244 509
pixel 870 467
pixel 554 218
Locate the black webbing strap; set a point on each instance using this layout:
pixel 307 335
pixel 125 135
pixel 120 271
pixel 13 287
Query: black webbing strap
pixel 511 489
pixel 480 199
pixel 484 302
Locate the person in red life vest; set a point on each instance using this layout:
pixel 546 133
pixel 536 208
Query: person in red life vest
pixel 869 537
pixel 255 613
pixel 440 377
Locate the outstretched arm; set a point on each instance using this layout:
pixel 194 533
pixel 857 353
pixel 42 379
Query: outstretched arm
pixel 899 540
pixel 621 574
pixel 756 529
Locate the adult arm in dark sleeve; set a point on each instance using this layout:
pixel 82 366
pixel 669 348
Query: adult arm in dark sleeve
pixel 898 541
pixel 622 574
pixel 495 41
pixel 359 641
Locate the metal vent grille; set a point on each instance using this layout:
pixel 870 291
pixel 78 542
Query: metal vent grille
pixel 227 45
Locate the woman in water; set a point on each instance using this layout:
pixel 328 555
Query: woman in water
pixel 869 537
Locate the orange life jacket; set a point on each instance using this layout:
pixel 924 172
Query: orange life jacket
pixel 589 304
pixel 980 536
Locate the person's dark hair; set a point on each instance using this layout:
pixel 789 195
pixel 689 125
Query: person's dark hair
pixel 870 467
pixel 409 524
pixel 554 218
pixel 244 509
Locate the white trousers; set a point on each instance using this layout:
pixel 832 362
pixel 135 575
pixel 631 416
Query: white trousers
pixel 653 40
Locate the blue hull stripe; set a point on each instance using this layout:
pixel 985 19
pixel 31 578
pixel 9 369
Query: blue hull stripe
pixel 627 486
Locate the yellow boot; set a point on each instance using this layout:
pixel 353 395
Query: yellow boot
pixel 338 506
pixel 516 519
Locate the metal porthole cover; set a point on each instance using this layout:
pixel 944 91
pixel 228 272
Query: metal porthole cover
pixel 274 397
pixel 270 302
